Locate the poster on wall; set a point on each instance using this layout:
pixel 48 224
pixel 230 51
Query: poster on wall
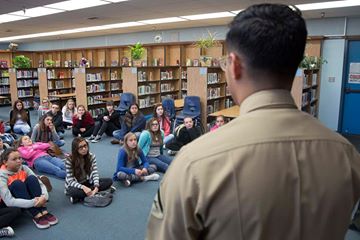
pixel 354 73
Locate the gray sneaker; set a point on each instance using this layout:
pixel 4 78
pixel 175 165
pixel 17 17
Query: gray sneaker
pixel 7 232
pixel 92 137
pixel 96 139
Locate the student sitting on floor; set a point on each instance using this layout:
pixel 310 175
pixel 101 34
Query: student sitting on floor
pixel 44 107
pixel 220 121
pixel 3 146
pixel 82 177
pixel 134 121
pixel 20 119
pixel 45 131
pixel 83 123
pixel 151 142
pixel 20 187
pixel 35 155
pixel 164 121
pixel 57 118
pixel 106 123
pixel 184 134
pixel 68 112
pixel 132 165
pixel 6 137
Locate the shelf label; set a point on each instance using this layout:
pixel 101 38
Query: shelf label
pixel 354 73
pixel 203 71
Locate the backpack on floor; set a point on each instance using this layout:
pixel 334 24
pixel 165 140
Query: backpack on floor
pixel 100 199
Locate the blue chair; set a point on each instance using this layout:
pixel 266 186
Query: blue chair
pixel 169 107
pixel 192 108
pixel 126 99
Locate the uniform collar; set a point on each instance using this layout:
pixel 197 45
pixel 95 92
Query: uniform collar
pixel 275 98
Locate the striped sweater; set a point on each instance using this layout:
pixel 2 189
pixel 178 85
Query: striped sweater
pixel 93 177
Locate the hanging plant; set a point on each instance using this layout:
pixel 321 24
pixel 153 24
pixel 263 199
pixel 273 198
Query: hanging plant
pixel 207 41
pixel 137 51
pixel 21 62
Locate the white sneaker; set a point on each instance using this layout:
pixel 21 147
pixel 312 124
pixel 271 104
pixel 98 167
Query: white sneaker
pixel 152 177
pixel 7 232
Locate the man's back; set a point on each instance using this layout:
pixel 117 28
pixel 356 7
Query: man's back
pixel 272 173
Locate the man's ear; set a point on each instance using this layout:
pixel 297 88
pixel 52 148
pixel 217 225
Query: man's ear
pixel 236 65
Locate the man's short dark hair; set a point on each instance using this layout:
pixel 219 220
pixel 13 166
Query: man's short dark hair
pixel 271 38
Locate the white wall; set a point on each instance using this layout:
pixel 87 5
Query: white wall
pixel 331 82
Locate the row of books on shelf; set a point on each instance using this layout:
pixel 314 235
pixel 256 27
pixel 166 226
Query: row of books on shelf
pixel 308 97
pixel 307 81
pixel 28 83
pixel 59 91
pixel 147 89
pixel 97 111
pixel 28 103
pixel 213 93
pixel 53 74
pixel 183 85
pixel 94 99
pixel 213 78
pixel 142 76
pixel 114 75
pixel 26 74
pixel 98 87
pixel 229 103
pixel 25 92
pixel 203 61
pixel 173 96
pixel 4 81
pixel 115 86
pixel 4 90
pixel 166 75
pixel 147 102
pixel 214 107
pixel 56 85
pixel 166 87
pixel 4 73
pixel 183 74
pixel 93 77
pixel 313 110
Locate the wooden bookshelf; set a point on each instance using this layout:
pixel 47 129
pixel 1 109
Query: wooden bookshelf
pixel 4 87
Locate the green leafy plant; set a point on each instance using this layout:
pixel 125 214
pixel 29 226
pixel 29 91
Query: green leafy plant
pixel 207 41
pixel 21 62
pixel 137 51
pixel 312 62
pixel 49 63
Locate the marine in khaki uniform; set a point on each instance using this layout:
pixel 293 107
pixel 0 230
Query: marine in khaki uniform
pixel 273 173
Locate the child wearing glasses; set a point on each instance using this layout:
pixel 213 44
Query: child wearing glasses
pixel 35 155
pixel 151 142
pixel 82 177
pixel 20 188
pixel 132 165
pixel 220 121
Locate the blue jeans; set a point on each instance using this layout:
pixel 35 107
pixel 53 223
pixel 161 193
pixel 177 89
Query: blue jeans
pixel 51 165
pixel 120 134
pixel 22 128
pixel 60 143
pixel 162 162
pixel 27 190
pixel 168 138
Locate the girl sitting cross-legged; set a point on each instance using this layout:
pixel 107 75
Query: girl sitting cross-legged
pixel 20 187
pixel 151 142
pixel 132 165
pixel 82 177
pixel 35 154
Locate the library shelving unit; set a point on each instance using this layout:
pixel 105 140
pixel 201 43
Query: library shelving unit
pixel 305 90
pixel 24 85
pixel 144 83
pixel 55 80
pixel 116 81
pixel 4 87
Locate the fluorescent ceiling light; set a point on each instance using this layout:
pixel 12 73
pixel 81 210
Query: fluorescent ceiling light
pixel 163 20
pixel 75 30
pixel 10 18
pixel 209 16
pixel 37 12
pixel 327 5
pixel 76 4
pixel 115 1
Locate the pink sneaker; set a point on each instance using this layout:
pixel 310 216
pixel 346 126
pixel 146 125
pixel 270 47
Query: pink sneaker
pixel 52 220
pixel 41 222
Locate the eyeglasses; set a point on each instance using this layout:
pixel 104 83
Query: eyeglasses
pixel 223 62
pixel 154 124
pixel 83 146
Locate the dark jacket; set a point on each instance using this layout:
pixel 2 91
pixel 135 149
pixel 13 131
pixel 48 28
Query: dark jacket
pixel 57 120
pixel 184 137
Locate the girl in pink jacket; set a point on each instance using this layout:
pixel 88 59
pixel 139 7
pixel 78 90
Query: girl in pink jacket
pixel 37 157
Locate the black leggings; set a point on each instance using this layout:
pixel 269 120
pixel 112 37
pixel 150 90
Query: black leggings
pixel 87 133
pixel 105 183
pixel 102 127
pixel 27 190
pixel 8 214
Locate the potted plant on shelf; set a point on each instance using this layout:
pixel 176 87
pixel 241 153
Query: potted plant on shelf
pixel 21 62
pixel 49 63
pixel 205 43
pixel 311 62
pixel 137 52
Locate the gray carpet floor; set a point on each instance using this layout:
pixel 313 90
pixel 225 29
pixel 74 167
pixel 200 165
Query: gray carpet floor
pixel 125 218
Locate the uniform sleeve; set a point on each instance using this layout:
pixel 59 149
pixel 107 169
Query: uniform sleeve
pixel 354 157
pixel 175 210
